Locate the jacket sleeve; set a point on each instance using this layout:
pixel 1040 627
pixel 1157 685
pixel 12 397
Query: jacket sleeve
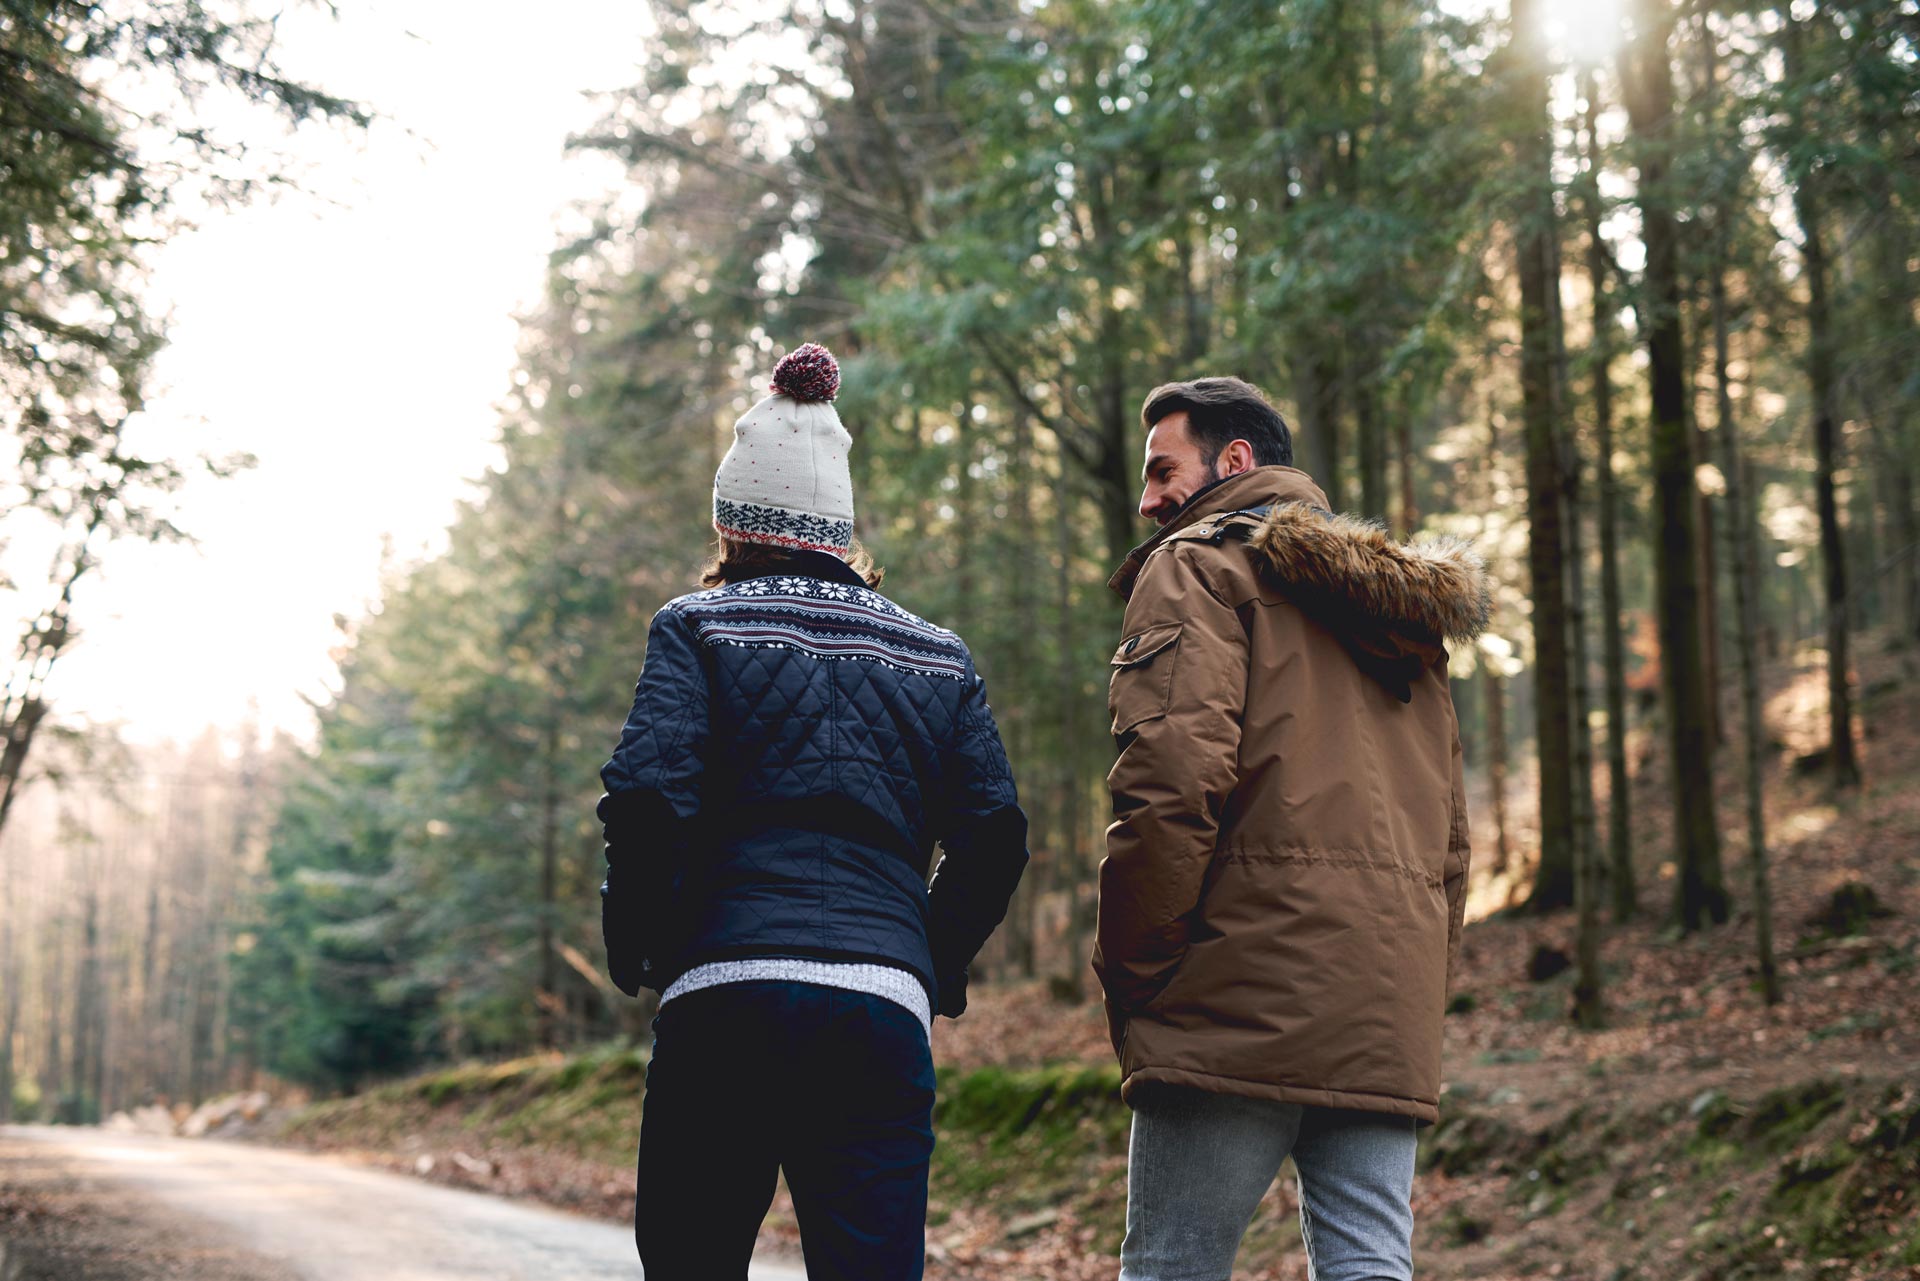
pixel 1459 859
pixel 1177 693
pixel 984 839
pixel 652 803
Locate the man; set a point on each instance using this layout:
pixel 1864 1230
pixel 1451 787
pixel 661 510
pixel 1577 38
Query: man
pixel 1282 895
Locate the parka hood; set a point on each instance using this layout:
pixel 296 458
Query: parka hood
pixel 1341 567
pixel 1392 604
pixel 1432 589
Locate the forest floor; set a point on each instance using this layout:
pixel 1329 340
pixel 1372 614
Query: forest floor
pixel 1700 1135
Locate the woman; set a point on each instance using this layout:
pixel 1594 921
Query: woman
pixel 797 746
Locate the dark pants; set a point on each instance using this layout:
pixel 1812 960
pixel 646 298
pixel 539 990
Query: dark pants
pixel 834 1087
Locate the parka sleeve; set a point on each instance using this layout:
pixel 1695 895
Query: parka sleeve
pixel 1459 858
pixel 1178 693
pixel 984 844
pixel 652 802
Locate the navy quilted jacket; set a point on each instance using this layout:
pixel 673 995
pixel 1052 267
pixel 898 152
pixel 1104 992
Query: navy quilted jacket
pixel 798 743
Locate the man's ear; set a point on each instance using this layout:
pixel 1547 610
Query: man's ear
pixel 1236 458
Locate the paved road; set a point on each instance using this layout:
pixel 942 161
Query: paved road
pixel 327 1220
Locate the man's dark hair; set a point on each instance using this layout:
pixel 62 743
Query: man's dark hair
pixel 1221 411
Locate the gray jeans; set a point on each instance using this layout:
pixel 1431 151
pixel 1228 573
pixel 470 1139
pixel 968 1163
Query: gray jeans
pixel 1199 1164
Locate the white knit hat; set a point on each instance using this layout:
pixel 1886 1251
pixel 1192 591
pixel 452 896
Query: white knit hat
pixel 785 480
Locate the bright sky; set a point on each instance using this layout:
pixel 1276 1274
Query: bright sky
pixel 355 340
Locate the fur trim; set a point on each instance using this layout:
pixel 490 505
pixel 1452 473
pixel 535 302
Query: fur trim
pixel 1436 585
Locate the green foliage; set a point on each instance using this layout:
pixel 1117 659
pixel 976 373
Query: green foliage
pixel 1033 1139
pixel 586 1105
pixel 321 981
pixel 1841 1200
pixel 1010 221
pixel 27 1099
pixel 1003 1105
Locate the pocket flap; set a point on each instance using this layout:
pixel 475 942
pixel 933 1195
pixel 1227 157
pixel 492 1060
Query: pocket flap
pixel 1138 650
pixel 1141 685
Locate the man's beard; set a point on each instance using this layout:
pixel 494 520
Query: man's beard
pixel 1212 478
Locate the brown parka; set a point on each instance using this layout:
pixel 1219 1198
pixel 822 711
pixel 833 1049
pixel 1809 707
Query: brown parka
pixel 1282 894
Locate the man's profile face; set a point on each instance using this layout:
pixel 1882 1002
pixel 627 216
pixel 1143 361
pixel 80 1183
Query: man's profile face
pixel 1176 469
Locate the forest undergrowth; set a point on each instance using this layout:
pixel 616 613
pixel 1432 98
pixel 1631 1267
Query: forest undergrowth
pixel 1700 1135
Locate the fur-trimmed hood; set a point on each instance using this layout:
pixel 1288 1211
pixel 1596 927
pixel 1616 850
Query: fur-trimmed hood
pixel 1432 588
pixel 1392 605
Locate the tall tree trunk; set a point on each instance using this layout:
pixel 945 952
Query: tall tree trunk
pixel 1709 544
pixel 1742 545
pixel 1074 868
pixel 1589 1009
pixel 1319 445
pixel 1647 76
pixel 1194 304
pixel 1028 898
pixel 1843 765
pixel 53 1062
pixel 549 976
pixel 100 1004
pixel 1743 556
pixel 967 520
pixel 1372 434
pixel 150 952
pixel 1117 454
pixel 1409 501
pixel 1316 434
pixel 1710 628
pixel 1496 703
pixel 1862 531
pixel 1620 874
pixel 1546 556
pixel 1895 425
pixel 9 975
pixel 1906 566
pixel 86 1022
pixel 1497 765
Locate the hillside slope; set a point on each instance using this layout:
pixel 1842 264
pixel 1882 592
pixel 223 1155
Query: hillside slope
pixel 1700 1136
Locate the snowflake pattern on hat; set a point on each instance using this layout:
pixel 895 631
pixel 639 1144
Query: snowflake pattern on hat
pixel 756 523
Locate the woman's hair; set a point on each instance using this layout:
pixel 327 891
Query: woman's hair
pixel 734 560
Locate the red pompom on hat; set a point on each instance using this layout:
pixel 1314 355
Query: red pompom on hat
pixel 807 373
pixel 785 482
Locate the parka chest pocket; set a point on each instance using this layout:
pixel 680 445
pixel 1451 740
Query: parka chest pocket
pixel 1141 686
